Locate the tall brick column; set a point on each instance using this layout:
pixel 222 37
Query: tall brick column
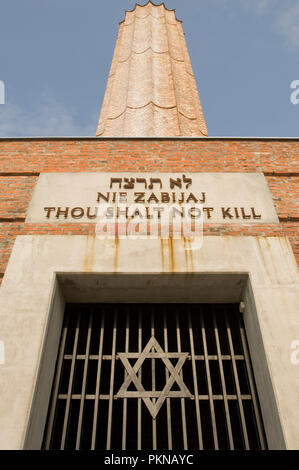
pixel 151 89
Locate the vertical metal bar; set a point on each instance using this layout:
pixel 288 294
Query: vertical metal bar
pixel 226 407
pixel 154 425
pixel 56 385
pixel 70 386
pixel 111 382
pixel 83 389
pixel 181 374
pixel 98 381
pixel 239 398
pixel 139 403
pixel 252 387
pixel 210 390
pixel 169 433
pixel 125 404
pixel 199 430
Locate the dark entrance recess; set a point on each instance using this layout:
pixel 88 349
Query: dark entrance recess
pixel 153 376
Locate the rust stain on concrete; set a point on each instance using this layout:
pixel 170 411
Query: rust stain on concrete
pixel 269 247
pixel 191 256
pixel 162 255
pixel 171 253
pixel 263 256
pixel 89 254
pixel 188 255
pixel 116 252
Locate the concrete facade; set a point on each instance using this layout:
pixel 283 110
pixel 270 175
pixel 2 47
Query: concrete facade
pixel 44 272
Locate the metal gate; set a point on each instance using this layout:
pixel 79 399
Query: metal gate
pixel 153 376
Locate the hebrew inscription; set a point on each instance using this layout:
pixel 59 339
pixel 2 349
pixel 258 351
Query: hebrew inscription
pixel 225 198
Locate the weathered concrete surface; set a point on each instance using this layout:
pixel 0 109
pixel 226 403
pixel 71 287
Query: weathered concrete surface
pixel 218 191
pixel 151 88
pixel 26 295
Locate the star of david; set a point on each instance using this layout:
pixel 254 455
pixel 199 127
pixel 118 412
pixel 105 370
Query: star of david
pixel 149 397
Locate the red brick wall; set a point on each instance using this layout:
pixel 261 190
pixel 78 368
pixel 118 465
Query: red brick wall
pixel 23 159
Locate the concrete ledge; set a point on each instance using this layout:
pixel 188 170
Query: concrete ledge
pixel 209 138
pixel 153 288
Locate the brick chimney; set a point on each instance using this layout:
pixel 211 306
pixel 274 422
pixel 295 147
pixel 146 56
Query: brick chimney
pixel 151 89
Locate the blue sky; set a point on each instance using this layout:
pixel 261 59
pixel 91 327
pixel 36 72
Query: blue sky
pixel 55 57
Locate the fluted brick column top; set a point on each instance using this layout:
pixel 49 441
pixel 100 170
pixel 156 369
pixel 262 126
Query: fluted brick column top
pixel 151 90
